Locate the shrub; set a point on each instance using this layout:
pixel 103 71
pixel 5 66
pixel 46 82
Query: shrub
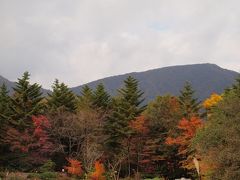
pixel 98 174
pixel 47 167
pixel 48 175
pixel 74 168
pixel 33 176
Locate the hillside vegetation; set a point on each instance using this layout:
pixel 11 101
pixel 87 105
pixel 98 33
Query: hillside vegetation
pixel 97 136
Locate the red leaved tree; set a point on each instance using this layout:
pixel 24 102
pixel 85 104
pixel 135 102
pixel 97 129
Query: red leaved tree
pixel 34 141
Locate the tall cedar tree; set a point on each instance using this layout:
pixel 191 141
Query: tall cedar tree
pixel 25 102
pixel 189 105
pixel 87 97
pixel 62 96
pixel 125 108
pixel 101 98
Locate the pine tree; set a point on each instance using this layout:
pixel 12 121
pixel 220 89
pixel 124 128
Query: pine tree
pixel 4 104
pixel 189 105
pixel 116 126
pixel 87 97
pixel 131 94
pixel 62 96
pixel 5 111
pixel 25 102
pixel 125 108
pixel 101 98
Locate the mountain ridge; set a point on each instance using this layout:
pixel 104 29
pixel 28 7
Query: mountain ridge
pixel 172 79
pixel 205 78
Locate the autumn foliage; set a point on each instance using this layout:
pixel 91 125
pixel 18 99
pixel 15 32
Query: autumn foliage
pixel 75 167
pixel 139 125
pixel 212 101
pixel 98 174
pixel 188 129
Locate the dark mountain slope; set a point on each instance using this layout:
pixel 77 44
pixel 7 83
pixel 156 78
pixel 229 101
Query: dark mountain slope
pixel 8 83
pixel 205 79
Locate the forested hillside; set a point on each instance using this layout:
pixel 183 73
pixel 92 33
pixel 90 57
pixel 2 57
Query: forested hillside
pixel 97 136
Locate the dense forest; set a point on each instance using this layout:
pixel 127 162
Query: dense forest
pixel 99 137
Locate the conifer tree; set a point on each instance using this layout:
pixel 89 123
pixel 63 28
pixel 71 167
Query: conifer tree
pixel 4 104
pixel 116 125
pixel 133 95
pixel 189 105
pixel 5 111
pixel 125 108
pixel 87 97
pixel 25 102
pixel 62 96
pixel 100 97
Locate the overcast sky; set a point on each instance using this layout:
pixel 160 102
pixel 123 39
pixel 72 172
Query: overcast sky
pixel 78 41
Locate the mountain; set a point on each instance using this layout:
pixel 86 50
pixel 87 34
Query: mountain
pixel 11 84
pixel 205 79
pixel 8 83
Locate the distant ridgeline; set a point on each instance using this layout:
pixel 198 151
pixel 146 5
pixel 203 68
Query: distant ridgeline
pixel 204 78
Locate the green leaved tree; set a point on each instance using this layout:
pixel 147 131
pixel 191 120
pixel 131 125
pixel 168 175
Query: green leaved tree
pixel 101 98
pixel 86 99
pixel 189 105
pixel 219 141
pixel 25 102
pixel 126 107
pixel 4 104
pixel 62 96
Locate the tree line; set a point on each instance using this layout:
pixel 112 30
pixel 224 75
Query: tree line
pixel 97 136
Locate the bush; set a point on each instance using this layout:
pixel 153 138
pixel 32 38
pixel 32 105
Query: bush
pixel 33 176
pixel 48 175
pixel 43 176
pixel 47 167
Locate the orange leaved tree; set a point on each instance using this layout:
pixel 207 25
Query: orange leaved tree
pixel 74 168
pixel 98 174
pixel 139 137
pixel 188 129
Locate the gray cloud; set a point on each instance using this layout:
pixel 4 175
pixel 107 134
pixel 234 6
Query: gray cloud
pixel 79 41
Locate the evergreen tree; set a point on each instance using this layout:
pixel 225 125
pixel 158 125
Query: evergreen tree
pixel 100 97
pixel 125 108
pixel 5 112
pixel 4 104
pixel 131 94
pixel 25 102
pixel 62 96
pixel 116 125
pixel 87 97
pixel 189 105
